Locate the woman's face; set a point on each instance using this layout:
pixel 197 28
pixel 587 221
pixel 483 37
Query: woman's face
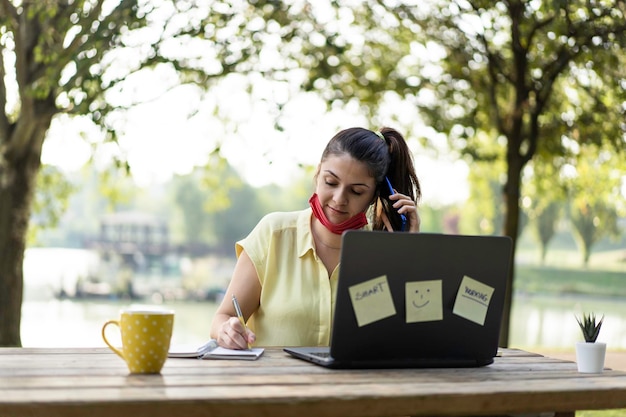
pixel 344 187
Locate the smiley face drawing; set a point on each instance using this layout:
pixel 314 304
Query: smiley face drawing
pixel 423 301
pixel 421 297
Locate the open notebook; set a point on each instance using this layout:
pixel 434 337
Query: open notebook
pixel 210 350
pixel 416 300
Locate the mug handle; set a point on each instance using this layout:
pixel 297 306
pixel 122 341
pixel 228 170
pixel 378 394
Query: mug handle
pixel 114 349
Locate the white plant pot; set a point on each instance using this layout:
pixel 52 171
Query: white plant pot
pixel 590 357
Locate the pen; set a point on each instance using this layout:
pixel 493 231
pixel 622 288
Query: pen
pixel 239 314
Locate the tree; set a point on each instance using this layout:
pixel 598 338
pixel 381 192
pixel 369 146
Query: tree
pixel 543 200
pixel 472 67
pixel 595 198
pixel 546 220
pixel 504 69
pixel 50 204
pixel 482 212
pixel 199 195
pixel 478 67
pixel 71 196
pixel 86 57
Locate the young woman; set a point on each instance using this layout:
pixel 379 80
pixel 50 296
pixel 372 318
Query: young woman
pixel 286 274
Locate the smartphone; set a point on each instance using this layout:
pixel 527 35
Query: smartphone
pixel 402 216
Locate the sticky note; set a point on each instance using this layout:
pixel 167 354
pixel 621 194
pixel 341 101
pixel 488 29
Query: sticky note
pixel 472 300
pixel 423 301
pixel 371 300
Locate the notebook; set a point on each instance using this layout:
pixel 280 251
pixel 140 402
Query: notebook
pixel 211 350
pixel 416 300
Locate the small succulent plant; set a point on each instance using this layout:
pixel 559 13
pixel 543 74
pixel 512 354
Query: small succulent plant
pixel 590 326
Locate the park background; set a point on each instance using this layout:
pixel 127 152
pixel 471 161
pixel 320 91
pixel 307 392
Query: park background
pixel 549 292
pixel 266 170
pixel 198 117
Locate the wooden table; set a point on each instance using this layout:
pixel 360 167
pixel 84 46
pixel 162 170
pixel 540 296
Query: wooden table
pixel 94 382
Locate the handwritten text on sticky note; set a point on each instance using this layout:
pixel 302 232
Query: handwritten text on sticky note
pixel 472 300
pixel 371 300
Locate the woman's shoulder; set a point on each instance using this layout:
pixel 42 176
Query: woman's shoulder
pixel 275 227
pixel 282 219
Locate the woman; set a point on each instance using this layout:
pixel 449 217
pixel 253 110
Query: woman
pixel 286 274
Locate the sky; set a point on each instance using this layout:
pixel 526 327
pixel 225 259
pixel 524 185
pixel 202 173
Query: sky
pixel 162 139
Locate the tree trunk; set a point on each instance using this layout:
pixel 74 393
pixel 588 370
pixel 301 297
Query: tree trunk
pixel 18 174
pixel 511 194
pixel 11 257
pixel 16 192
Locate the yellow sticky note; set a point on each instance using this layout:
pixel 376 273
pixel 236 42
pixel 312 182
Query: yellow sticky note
pixel 423 301
pixel 472 300
pixel 371 300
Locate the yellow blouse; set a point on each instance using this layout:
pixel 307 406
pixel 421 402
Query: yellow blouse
pixel 297 296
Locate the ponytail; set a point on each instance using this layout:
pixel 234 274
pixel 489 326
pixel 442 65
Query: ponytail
pixel 401 174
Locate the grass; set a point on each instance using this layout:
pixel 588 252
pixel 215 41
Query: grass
pixel 548 279
pixel 602 413
pixel 563 273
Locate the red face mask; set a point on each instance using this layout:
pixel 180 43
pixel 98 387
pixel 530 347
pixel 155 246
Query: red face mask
pixel 356 222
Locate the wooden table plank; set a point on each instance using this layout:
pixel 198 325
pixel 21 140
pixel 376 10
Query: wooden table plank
pixel 95 382
pixel 366 400
pixel 207 376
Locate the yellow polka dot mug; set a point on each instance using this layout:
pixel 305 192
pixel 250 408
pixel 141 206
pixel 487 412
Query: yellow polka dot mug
pixel 146 336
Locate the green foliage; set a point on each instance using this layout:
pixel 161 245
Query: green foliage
pixel 479 69
pixel 194 221
pixel 93 195
pixel 482 213
pixel 438 220
pixel 543 201
pixel 198 196
pixel 218 179
pixel 236 222
pixel 85 58
pixel 590 327
pixel 215 208
pixel 115 187
pixel 545 224
pixel 50 202
pixel 596 199
pixel 503 82
pixel 188 217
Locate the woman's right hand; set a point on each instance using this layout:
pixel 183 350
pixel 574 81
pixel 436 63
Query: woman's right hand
pixel 226 328
pixel 233 335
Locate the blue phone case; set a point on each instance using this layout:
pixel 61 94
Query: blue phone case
pixel 402 216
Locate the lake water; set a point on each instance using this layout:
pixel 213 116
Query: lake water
pixel 549 321
pixel 536 321
pixel 68 323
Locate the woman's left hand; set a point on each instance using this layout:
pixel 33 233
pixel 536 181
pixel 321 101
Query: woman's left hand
pixel 406 206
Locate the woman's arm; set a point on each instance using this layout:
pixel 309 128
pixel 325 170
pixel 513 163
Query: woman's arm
pixel 226 327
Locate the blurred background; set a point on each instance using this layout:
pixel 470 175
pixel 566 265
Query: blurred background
pixel 170 134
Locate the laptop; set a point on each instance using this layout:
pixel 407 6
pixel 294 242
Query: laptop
pixel 416 300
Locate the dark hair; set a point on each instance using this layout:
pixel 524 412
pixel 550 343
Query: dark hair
pixel 387 155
